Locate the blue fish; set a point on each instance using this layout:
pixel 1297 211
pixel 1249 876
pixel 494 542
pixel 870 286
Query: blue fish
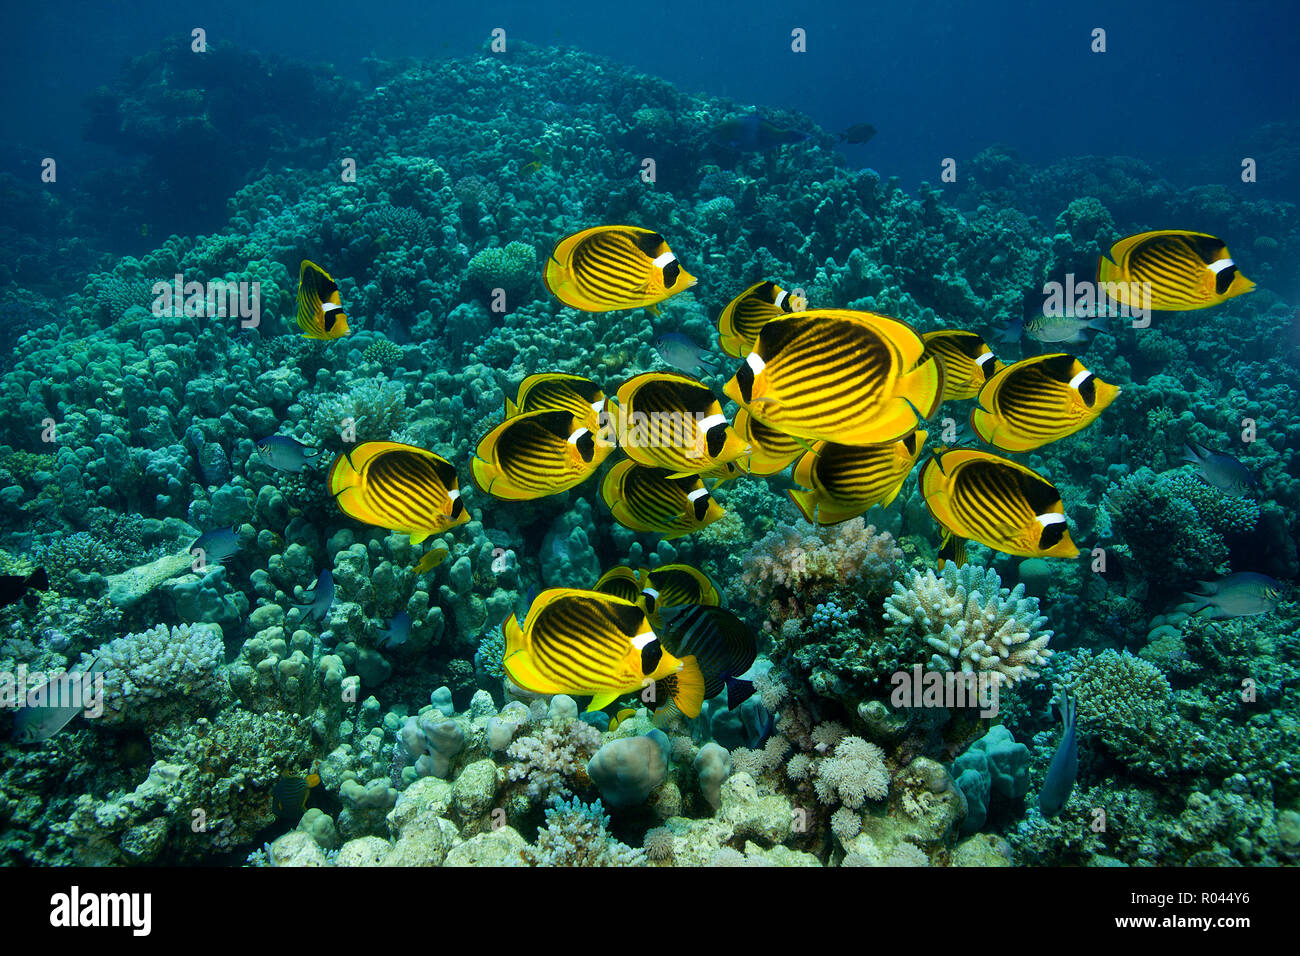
pixel 752 133
pixel 1065 763
pixel 217 544
pixel 397 632
pixel 322 597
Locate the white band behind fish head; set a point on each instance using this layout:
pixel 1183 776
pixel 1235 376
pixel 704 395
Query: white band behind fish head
pixel 329 307
pixel 697 494
pixel 1079 379
pixel 780 299
pixel 1217 267
pixel 983 358
pixel 453 494
pixel 1050 518
pixel 577 436
pixel 650 592
pixel 641 640
pixel 756 364
pixel 707 423
pixel 598 406
pixel 666 258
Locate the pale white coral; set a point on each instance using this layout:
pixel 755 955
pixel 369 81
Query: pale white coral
pixel 855 773
pixel 804 556
pixel 973 623
pixel 149 674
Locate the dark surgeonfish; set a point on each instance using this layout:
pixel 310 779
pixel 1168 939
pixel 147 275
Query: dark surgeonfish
pixel 752 133
pixel 858 133
pixel 217 544
pixel 1065 763
pixel 397 633
pixel 322 597
pixel 1222 471
pixel 18 587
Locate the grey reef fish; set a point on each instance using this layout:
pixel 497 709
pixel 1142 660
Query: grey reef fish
pixel 285 454
pixel 681 352
pixel 217 545
pixel 1222 471
pixel 1052 329
pixel 1242 594
pixel 50 707
pixel 1065 763
pixel 322 597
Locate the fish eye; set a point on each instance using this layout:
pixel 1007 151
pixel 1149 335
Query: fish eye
pixel 717 437
pixel 672 272
pixel 649 602
pixel 701 507
pixel 1224 279
pixel 586 446
pixel 457 507
pixel 909 442
pixel 651 654
pixel 1088 390
pixel 745 382
pixel 1052 535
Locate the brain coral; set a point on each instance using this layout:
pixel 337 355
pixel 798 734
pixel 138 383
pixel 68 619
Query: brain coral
pixel 971 621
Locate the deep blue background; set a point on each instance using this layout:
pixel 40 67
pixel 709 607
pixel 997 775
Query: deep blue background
pixel 936 77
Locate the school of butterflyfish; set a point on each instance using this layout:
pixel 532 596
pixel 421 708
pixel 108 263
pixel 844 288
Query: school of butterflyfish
pixel 838 394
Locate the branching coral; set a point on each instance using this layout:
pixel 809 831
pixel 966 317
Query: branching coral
pixel 806 558
pixel 972 622
pixel 161 673
pixel 576 834
pixel 553 761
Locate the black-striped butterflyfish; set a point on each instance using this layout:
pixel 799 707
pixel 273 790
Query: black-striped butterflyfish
pixel 622 582
pixel 951 548
pixel 552 391
pixel 966 359
pixel 673 584
pixel 320 313
pixel 289 795
pixel 770 451
pixel 537 454
pixel 1186 270
pixel 846 480
pixel 724 472
pixel 721 644
pixel 606 268
pixel 651 500
pixel 406 489
pixel 1039 400
pixel 672 421
pixel 746 314
pixel 855 378
pixel 997 502
pixel 584 643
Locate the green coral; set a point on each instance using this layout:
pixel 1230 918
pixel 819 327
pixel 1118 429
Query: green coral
pixel 512 267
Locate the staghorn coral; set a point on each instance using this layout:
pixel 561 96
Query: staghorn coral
pixel 576 834
pixel 972 622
